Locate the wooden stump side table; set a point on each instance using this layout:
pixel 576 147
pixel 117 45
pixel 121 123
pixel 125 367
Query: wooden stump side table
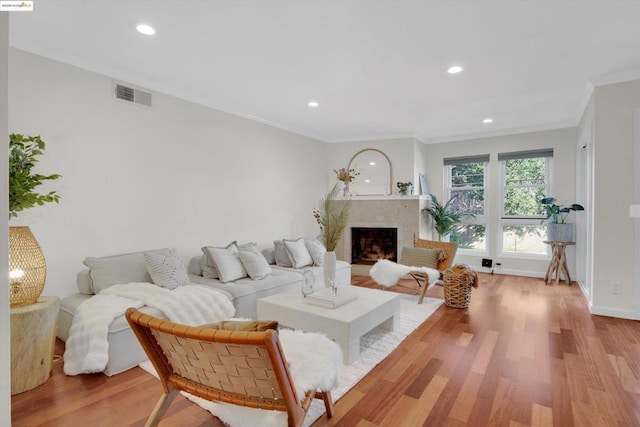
pixel 558 264
pixel 33 334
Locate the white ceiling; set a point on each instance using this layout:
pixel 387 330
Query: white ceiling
pixel 377 67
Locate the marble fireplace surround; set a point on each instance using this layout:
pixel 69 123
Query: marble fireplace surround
pixel 401 212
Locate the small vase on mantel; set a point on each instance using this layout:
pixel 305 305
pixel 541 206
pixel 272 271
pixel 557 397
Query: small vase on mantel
pixel 329 268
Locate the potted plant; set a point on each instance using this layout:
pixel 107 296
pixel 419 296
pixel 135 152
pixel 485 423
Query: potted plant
pixel 444 217
pixel 405 188
pixel 332 218
pixel 558 230
pixel 27 267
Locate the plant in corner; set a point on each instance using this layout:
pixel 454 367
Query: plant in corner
pixel 27 267
pixel 558 230
pixel 444 217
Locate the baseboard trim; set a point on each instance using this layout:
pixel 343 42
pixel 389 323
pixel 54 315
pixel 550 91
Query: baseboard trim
pixel 613 312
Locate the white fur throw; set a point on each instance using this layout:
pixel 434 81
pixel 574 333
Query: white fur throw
pixel 87 348
pixel 387 273
pixel 314 362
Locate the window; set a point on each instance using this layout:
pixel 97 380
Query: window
pixel 525 181
pixel 466 177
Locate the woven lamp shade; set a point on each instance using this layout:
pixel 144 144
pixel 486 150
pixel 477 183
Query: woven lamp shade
pixel 27 267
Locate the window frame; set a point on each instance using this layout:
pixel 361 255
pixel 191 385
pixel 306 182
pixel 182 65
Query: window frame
pixel 509 220
pixel 478 219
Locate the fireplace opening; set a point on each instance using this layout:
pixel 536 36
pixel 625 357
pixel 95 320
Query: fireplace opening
pixel 368 244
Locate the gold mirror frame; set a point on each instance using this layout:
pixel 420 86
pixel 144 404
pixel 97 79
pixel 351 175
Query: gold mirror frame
pixel 387 186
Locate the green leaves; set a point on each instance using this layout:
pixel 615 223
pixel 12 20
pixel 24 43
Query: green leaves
pixel 556 213
pixel 23 153
pixel 446 220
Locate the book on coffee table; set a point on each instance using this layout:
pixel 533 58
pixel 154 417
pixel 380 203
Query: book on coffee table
pixel 325 298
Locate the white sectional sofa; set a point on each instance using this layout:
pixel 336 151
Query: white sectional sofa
pixel 124 350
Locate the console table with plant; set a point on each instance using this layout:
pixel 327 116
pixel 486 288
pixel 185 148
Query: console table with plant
pixel 33 319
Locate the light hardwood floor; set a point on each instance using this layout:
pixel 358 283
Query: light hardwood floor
pixel 522 354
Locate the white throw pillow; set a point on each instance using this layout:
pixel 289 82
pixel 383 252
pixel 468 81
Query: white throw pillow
pixel 281 255
pixel 298 253
pixel 227 262
pixel 316 250
pixel 207 265
pixel 166 269
pixel 254 262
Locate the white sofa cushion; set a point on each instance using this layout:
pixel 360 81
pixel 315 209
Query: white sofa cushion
pixel 227 262
pixel 254 262
pixel 316 250
pixel 166 270
pixel 298 253
pixel 118 269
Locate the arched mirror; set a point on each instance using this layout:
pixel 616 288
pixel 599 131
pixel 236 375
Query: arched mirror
pixel 374 168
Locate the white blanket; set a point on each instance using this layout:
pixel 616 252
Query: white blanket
pixel 87 347
pixel 387 273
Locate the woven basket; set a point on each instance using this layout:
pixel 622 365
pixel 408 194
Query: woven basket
pixel 457 289
pixel 27 267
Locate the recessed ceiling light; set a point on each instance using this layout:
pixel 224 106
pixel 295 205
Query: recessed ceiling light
pixel 367 180
pixel 145 29
pixel 488 120
pixel 372 163
pixel 454 69
pixel 313 104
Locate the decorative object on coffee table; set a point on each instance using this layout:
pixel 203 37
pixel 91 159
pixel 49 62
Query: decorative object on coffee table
pixel 458 281
pixel 27 267
pixel 332 218
pixel 558 230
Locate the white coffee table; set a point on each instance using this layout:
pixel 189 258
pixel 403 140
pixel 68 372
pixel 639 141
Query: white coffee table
pixel 345 324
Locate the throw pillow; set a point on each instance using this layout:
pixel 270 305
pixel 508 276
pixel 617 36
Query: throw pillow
pixel 298 253
pixel 281 255
pixel 118 269
pixel 243 325
pixel 254 262
pixel 317 251
pixel 166 269
pixel 420 257
pixel 207 265
pixel 227 262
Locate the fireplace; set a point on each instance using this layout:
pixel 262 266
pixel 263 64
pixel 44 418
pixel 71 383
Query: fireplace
pixel 369 244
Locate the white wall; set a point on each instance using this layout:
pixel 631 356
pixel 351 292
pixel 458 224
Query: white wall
pixel 563 142
pixel 133 178
pixel 613 257
pixel 399 151
pixel 5 330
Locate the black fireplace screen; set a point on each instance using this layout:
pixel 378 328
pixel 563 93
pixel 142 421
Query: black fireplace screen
pixel 368 245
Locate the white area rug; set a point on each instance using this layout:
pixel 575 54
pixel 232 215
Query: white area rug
pixel 374 348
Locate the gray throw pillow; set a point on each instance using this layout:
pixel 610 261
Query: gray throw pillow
pixel 281 254
pixel 316 250
pixel 254 262
pixel 298 253
pixel 227 262
pixel 166 269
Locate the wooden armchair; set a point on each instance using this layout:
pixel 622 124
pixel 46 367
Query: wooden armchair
pixel 449 252
pixel 237 367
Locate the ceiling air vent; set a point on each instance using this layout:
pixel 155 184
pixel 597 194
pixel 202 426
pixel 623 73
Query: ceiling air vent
pixel 130 94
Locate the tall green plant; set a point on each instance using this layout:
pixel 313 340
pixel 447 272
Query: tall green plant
pixel 444 217
pixel 332 217
pixel 23 153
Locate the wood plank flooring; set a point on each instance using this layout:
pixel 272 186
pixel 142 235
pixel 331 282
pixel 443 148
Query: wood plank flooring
pixel 522 354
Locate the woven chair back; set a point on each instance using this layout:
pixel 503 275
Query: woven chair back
pixel 449 248
pixel 239 367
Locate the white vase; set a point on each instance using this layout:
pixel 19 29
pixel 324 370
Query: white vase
pixel 329 268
